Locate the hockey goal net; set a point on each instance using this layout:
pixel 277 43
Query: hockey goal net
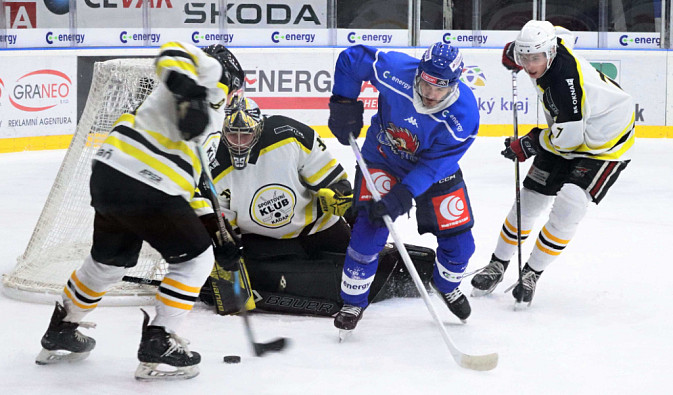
pixel 63 234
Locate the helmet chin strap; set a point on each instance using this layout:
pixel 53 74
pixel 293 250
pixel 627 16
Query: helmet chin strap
pixel 446 102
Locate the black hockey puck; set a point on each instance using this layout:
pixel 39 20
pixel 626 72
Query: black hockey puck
pixel 232 359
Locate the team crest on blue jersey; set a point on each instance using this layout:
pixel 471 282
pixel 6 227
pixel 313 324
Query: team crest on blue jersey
pixel 400 140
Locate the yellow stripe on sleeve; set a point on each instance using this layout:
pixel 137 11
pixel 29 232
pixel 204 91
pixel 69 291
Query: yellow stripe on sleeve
pixel 321 173
pixel 153 163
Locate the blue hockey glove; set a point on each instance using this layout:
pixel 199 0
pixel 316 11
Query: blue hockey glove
pixel 523 147
pixel 397 202
pixel 345 117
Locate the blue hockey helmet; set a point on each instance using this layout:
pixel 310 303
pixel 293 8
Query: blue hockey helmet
pixel 441 65
pixel 439 71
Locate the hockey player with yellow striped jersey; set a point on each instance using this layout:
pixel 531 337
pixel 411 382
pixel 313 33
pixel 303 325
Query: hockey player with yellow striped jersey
pixel 144 188
pixel 578 157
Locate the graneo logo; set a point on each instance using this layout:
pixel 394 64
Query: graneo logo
pixel 473 76
pixel 40 90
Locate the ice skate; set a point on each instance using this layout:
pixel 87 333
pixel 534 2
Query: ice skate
pixel 525 290
pixel 63 342
pixel 485 281
pixel 158 347
pixel 455 301
pixel 347 319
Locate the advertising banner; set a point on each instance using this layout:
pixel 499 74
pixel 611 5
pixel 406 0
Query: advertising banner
pixel 37 95
pixel 498 39
pixel 202 14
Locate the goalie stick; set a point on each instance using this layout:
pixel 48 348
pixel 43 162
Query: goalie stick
pixel 225 232
pixel 474 362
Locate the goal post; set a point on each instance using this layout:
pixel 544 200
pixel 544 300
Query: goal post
pixel 63 235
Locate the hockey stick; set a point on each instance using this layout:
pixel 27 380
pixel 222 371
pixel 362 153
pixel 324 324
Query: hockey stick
pixel 474 362
pixel 517 181
pixel 259 348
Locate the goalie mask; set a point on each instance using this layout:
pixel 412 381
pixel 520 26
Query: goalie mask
pixel 535 46
pixel 437 76
pixel 243 124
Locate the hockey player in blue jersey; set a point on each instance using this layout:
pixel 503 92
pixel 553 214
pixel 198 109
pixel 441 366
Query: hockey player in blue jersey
pixel 425 122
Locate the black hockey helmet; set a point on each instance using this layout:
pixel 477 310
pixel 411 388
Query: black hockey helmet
pixel 233 75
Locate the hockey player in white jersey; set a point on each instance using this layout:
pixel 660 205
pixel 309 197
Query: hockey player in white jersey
pixel 578 156
pixel 144 188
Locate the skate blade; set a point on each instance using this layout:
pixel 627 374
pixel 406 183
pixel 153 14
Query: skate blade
pixel 520 306
pixel 150 372
pixel 344 334
pixel 48 357
pixel 477 293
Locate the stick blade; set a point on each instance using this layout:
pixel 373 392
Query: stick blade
pixel 274 345
pixel 479 362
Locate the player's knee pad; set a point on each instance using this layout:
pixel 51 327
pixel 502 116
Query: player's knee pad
pixel 457 248
pixel 532 203
pixel 99 275
pixel 194 271
pixel 569 207
pixel 367 238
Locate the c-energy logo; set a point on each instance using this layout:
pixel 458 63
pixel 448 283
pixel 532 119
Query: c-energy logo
pixel 277 37
pixel 448 38
pixel 52 37
pixel 353 37
pixel 125 37
pixel 198 37
pixel 625 40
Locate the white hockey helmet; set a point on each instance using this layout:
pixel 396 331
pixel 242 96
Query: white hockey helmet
pixel 535 37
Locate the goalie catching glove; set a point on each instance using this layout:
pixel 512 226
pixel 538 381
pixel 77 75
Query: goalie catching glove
pixel 337 198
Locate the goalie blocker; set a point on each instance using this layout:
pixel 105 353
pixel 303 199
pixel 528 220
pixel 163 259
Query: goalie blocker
pixel 284 279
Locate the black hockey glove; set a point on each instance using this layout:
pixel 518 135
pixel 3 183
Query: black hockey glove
pixel 508 58
pixel 337 198
pixel 227 255
pixel 523 147
pixel 397 202
pixel 227 252
pixel 345 117
pixel 192 116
